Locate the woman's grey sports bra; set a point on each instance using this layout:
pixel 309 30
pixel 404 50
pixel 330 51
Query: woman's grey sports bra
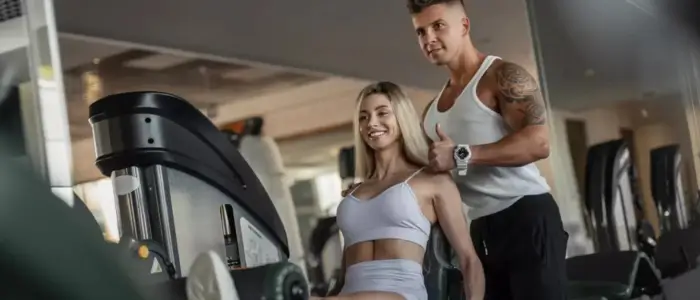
pixel 393 214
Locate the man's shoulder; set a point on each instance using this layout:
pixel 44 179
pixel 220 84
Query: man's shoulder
pixel 427 107
pixel 504 69
pixel 501 65
pixel 506 75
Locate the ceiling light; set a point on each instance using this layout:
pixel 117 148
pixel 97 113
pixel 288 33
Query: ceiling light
pixel 92 86
pixel 157 62
pixel 249 74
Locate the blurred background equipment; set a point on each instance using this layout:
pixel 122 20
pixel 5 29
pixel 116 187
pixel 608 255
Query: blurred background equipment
pixel 236 131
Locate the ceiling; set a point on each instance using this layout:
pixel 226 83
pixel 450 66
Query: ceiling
pixel 594 51
pixel 364 39
pixel 598 51
pixel 207 84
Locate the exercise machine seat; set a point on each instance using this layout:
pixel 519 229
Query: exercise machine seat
pixel 49 250
pixel 678 251
pixel 443 279
pixel 614 275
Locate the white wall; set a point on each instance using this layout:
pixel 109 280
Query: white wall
pixel 99 198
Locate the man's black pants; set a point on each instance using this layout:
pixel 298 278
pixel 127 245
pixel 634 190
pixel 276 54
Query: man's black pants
pixel 523 250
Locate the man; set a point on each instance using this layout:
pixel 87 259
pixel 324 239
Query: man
pixel 488 125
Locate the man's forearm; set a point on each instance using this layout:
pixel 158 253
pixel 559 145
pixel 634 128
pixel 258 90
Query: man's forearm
pixel 516 149
pixel 474 282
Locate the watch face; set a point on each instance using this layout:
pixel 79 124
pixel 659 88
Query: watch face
pixel 462 153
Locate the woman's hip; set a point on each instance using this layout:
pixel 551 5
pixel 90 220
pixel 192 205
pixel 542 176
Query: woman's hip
pixel 400 276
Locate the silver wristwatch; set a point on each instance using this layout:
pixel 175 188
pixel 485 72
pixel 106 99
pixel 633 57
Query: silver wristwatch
pixel 462 155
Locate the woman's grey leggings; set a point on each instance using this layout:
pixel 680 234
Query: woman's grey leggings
pixel 400 276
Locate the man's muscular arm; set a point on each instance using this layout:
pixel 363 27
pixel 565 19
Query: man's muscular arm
pixel 523 109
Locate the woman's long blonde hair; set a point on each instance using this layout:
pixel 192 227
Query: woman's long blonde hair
pixel 413 141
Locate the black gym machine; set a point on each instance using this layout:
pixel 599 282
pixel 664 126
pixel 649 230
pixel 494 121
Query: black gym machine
pixel 610 198
pixel 667 188
pixel 617 269
pixel 326 230
pixel 629 261
pixel 191 192
pixel 679 242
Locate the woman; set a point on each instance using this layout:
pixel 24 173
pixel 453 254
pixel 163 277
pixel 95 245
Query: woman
pixel 386 220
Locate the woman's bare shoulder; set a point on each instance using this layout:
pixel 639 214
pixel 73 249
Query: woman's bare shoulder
pixel 433 181
pixel 437 177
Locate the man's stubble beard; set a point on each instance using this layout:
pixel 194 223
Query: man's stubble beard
pixel 439 62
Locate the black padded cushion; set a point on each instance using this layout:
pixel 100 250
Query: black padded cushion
pixel 677 251
pixel 443 280
pixel 631 269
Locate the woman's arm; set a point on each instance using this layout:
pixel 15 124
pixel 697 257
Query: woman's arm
pixel 448 207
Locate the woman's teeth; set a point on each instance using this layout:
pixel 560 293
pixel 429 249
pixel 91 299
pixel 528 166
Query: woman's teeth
pixel 376 134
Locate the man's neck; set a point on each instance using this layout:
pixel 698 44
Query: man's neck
pixel 465 65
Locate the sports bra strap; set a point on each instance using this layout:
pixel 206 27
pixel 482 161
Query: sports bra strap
pixel 407 179
pixel 414 174
pixel 354 189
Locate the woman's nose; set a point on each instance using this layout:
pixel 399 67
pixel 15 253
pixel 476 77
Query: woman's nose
pixel 373 122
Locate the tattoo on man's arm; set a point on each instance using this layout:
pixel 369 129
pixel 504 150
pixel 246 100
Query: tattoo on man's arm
pixel 517 87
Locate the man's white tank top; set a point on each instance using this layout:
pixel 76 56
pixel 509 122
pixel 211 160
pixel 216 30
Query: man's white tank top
pixel 485 189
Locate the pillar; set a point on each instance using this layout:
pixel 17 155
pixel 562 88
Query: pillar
pixel 43 104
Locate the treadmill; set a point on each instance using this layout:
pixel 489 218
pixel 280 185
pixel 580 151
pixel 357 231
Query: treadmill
pixel 609 197
pixel 182 188
pixel 622 267
pixel 667 187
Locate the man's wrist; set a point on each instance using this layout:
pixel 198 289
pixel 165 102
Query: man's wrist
pixel 476 151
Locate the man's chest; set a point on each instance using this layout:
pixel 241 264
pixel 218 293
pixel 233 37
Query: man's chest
pixel 468 114
pixel 484 91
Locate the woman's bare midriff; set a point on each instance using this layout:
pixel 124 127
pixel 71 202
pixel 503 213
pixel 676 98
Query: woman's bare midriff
pixel 383 249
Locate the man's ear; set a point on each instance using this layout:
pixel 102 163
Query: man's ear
pixel 466 25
